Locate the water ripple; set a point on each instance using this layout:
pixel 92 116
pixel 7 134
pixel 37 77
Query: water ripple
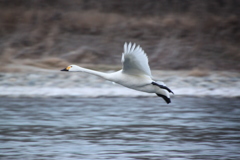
pixel 119 128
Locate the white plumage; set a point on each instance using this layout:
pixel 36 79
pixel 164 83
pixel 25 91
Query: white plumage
pixel 135 61
pixel 136 73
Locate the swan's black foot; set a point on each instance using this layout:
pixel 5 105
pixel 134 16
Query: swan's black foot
pixel 163 87
pixel 167 100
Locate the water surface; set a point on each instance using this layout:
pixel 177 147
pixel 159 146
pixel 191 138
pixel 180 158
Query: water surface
pixel 119 128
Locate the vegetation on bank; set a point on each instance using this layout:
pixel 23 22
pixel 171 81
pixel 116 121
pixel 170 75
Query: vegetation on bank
pixel 175 34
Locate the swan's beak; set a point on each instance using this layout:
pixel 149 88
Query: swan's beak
pixel 64 69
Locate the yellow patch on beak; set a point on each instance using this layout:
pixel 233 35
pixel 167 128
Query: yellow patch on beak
pixel 68 67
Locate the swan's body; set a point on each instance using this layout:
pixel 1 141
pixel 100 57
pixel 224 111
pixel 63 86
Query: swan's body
pixel 136 73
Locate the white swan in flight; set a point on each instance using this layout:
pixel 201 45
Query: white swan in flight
pixel 135 74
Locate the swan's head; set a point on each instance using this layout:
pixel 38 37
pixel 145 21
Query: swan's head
pixel 71 68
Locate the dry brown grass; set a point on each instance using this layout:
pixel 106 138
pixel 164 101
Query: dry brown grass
pixel 198 72
pixel 42 33
pixel 56 63
pixel 7 54
pixel 89 21
pixel 47 63
pixel 41 22
pixel 9 70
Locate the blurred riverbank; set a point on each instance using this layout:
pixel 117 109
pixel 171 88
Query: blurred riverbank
pixel 194 45
pixel 176 35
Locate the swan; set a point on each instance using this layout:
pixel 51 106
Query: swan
pixel 135 74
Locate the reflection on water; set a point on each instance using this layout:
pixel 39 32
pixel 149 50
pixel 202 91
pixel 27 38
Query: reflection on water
pixel 119 128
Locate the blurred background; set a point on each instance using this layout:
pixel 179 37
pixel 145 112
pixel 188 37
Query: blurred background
pixel 193 46
pixel 175 34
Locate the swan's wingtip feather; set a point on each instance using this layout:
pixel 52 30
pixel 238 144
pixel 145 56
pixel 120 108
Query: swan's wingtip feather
pixel 137 59
pixel 133 47
pixel 129 47
pixel 122 58
pixel 125 47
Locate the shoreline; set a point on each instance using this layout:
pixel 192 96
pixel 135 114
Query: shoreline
pixel 110 92
pixel 60 84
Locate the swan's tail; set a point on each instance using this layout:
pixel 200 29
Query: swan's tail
pixel 167 100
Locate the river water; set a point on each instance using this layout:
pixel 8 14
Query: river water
pixel 119 128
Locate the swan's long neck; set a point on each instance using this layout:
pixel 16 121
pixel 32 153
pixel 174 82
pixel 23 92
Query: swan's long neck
pixel 96 73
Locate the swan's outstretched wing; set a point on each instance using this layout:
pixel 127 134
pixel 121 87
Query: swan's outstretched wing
pixel 134 60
